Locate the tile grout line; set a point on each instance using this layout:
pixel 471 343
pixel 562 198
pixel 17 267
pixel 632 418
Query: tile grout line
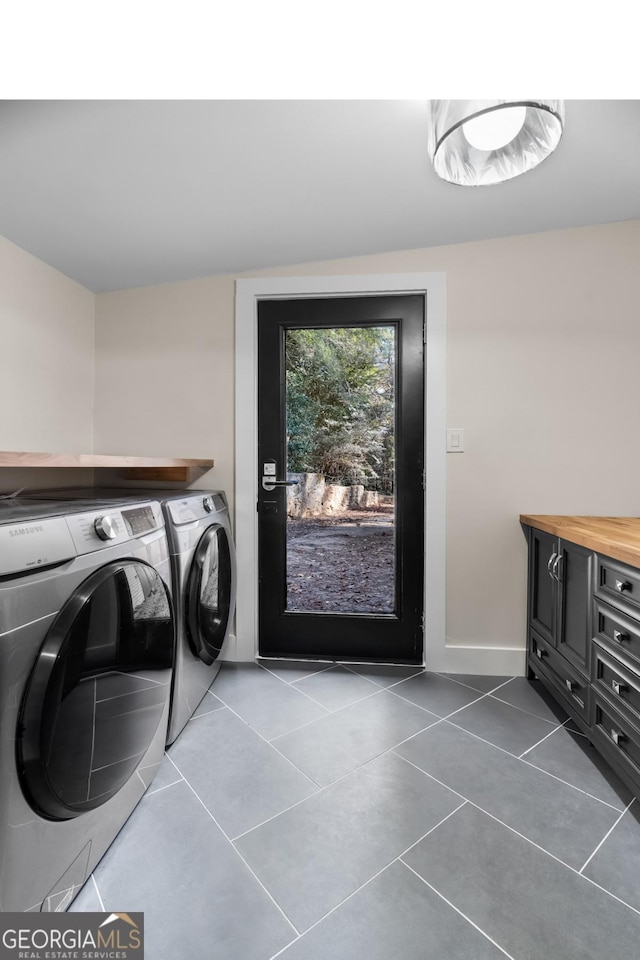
pixel 206 713
pixel 606 836
pixel 481 696
pixel 468 685
pixel 458 911
pixel 351 703
pixel 435 779
pixel 556 722
pixel 329 713
pixel 97 889
pixel 270 744
pixel 327 786
pixel 527 839
pixel 534 745
pixel 285 683
pixel 386 686
pixel 271 670
pixel 151 793
pixel 438 720
pixel 291 686
pixel 371 879
pixel 477 736
pixel 391 750
pixel 557 859
pixel 237 852
pixel 493 693
pixel 572 785
pixel 318 789
pixel 406 740
pixel 528 762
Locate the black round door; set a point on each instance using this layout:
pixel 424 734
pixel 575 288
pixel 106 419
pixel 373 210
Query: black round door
pixel 98 691
pixel 208 594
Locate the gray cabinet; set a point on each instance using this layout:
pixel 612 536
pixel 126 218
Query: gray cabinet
pixel 583 643
pixel 615 709
pixel 560 586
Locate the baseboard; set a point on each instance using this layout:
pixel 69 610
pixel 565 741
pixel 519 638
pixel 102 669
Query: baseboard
pixel 486 661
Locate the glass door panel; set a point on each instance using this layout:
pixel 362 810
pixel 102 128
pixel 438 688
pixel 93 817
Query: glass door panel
pixel 341 451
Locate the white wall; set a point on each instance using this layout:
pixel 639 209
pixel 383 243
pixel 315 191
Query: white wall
pixel 542 348
pixel 164 382
pixel 46 365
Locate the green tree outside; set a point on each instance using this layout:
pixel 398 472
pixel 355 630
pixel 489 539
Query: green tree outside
pixel 340 384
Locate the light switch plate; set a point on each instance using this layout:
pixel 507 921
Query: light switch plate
pixel 455 440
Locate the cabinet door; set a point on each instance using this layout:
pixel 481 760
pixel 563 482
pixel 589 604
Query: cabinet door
pixel 573 634
pixel 542 589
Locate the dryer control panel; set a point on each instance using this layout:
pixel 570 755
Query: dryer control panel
pixel 196 507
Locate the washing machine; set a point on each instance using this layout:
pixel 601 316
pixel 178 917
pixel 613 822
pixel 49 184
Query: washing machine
pixel 87 638
pixel 203 565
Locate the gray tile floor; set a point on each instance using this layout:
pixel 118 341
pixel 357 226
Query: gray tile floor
pixel 316 812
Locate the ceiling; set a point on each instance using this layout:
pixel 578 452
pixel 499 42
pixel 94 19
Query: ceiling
pixel 125 193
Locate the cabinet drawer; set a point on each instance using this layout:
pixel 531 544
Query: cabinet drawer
pixel 617 681
pixel 570 686
pixel 618 584
pixel 616 630
pixel 618 736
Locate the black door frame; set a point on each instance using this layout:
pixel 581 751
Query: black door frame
pixel 394 637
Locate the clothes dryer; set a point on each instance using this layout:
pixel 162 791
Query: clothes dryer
pixel 87 638
pixel 203 562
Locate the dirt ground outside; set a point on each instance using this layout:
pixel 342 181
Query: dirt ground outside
pixel 343 563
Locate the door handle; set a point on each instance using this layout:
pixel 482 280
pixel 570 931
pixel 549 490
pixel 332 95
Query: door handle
pixel 268 483
pixel 552 559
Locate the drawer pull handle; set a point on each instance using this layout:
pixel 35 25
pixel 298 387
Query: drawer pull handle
pixel 622 585
pixel 540 653
pixel 569 684
pixel 617 737
pixel 618 687
pixel 619 636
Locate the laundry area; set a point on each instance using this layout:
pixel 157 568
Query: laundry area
pixel 319 525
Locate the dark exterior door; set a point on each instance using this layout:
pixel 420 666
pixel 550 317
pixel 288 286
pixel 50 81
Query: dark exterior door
pixel 341 484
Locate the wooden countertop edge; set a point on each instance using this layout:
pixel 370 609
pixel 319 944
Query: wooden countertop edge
pixel 19 459
pixel 615 537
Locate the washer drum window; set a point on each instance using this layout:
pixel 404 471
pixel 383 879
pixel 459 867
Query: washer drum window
pixel 98 691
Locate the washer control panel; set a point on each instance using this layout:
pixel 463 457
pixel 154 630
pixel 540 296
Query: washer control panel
pixel 105 527
pixel 140 520
pixel 110 526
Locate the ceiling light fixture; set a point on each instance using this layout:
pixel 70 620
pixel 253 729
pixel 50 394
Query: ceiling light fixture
pixel 479 142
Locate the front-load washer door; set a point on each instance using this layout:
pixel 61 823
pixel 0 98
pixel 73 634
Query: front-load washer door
pixel 208 594
pixel 98 691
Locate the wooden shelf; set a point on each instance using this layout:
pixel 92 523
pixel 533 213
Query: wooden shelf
pixel 133 468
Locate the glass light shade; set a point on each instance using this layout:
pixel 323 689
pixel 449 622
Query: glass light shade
pixel 479 142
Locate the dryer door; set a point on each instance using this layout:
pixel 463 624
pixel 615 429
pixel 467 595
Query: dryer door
pixel 209 594
pixel 98 691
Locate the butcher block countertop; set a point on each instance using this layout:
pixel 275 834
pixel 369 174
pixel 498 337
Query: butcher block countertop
pixel 616 537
